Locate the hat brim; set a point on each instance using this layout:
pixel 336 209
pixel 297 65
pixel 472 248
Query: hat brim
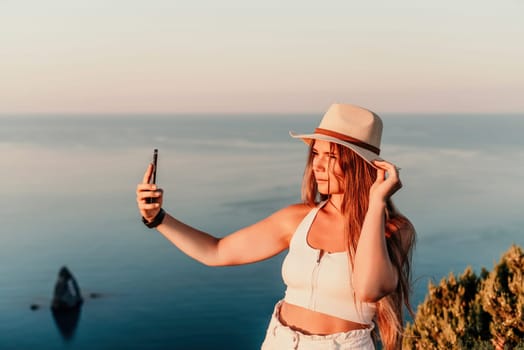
pixel 365 154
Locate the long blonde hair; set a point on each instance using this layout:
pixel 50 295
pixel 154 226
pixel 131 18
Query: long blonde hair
pixel 356 181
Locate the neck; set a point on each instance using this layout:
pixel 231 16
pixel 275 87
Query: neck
pixel 336 202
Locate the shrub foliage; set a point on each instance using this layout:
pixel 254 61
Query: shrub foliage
pixel 473 312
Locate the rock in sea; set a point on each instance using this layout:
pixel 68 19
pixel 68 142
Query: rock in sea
pixel 66 304
pixel 67 293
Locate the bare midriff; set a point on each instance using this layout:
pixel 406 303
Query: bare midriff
pixel 312 322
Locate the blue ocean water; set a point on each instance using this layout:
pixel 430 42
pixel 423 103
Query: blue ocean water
pixel 68 194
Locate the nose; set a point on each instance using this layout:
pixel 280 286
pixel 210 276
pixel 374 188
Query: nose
pixel 319 163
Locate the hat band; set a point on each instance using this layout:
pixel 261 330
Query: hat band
pixel 349 139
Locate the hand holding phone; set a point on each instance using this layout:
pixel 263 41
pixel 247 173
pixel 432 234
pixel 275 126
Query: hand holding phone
pixel 153 176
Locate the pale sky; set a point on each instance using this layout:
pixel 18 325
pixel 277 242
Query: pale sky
pixel 271 56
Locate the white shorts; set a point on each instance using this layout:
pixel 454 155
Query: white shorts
pixel 280 337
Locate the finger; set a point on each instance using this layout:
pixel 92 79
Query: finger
pixel 148 206
pixel 149 194
pixel 381 175
pixel 147 174
pixel 145 187
pixel 393 175
pixel 382 164
pixel 143 196
pixel 390 168
pixel 379 163
pixel 383 169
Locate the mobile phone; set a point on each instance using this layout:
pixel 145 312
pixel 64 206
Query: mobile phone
pixel 155 160
pixel 153 177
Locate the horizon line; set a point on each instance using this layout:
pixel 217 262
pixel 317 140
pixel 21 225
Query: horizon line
pixel 202 113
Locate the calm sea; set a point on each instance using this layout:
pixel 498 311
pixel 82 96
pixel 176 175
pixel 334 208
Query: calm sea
pixel 68 198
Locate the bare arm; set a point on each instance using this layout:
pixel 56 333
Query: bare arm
pixel 253 243
pixel 374 274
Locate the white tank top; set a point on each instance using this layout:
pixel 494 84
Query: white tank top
pixel 319 282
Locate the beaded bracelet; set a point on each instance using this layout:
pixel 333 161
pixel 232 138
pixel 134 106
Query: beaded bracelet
pixel 156 221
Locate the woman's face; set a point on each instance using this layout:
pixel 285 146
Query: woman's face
pixel 326 168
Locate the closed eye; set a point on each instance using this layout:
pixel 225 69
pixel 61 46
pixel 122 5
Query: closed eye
pixel 329 154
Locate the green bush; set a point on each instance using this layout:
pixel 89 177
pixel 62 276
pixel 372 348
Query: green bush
pixel 473 312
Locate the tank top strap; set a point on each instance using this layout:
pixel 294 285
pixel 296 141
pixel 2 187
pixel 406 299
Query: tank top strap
pixel 305 224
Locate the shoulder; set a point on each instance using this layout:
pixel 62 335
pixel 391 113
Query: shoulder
pixel 290 217
pixel 296 211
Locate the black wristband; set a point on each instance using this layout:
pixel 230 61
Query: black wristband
pixel 156 221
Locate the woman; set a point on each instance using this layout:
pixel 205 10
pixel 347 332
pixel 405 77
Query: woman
pixel 349 256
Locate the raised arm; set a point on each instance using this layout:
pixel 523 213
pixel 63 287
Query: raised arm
pixel 253 243
pixel 374 274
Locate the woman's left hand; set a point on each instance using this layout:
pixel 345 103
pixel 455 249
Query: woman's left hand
pixel 387 183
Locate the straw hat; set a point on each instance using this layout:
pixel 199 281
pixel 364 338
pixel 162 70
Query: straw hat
pixel 351 126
